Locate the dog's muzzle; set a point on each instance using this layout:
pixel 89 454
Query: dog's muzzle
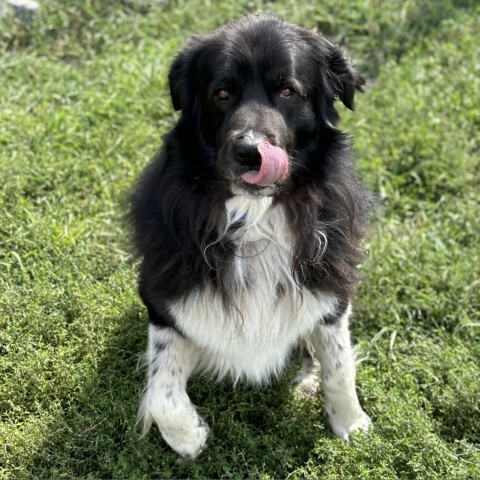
pixel 266 163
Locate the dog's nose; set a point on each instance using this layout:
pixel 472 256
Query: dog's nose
pixel 245 150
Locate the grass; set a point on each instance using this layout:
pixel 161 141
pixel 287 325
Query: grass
pixel 85 104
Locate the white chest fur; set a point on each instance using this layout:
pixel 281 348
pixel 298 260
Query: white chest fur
pixel 270 313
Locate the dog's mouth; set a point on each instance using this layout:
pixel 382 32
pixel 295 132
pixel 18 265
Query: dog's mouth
pixel 273 166
pixel 258 170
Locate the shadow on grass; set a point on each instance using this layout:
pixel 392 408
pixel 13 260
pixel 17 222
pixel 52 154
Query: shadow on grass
pixel 255 431
pixel 458 417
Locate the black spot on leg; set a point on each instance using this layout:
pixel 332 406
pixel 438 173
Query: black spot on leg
pixel 173 372
pixel 171 398
pixel 154 370
pixel 335 347
pixel 160 347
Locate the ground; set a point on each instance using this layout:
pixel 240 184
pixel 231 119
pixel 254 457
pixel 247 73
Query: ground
pixel 85 105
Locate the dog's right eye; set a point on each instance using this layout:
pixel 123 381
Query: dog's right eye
pixel 222 95
pixel 287 92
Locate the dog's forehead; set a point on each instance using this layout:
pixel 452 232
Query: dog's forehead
pixel 260 52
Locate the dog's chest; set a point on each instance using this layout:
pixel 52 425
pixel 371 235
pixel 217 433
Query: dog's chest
pixel 268 314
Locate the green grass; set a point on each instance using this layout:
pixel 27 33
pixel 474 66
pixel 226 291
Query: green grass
pixel 84 106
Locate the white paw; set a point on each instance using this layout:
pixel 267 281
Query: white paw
pixel 181 426
pixel 307 380
pixel 188 439
pixel 345 423
pixel 306 383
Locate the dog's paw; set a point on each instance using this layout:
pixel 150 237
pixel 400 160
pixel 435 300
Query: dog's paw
pixel 307 380
pixel 345 423
pixel 306 384
pixel 189 438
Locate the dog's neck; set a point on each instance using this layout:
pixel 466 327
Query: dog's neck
pixel 250 219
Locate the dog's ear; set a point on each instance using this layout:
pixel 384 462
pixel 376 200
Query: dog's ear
pixel 336 75
pixel 182 77
pixel 176 81
pixel 343 78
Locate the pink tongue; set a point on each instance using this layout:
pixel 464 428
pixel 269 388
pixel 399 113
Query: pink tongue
pixel 274 166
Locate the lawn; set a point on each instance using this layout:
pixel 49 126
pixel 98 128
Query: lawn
pixel 84 105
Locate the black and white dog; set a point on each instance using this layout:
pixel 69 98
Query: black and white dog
pixel 249 222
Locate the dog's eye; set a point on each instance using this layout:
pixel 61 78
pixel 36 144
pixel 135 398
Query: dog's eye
pixel 286 92
pixel 222 95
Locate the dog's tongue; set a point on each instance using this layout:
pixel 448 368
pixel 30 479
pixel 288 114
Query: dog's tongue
pixel 273 167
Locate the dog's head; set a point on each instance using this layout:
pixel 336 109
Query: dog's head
pixel 261 92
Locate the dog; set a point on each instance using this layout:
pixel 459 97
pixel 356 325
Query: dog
pixel 249 222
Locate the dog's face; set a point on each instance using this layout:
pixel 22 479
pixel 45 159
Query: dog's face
pixel 261 92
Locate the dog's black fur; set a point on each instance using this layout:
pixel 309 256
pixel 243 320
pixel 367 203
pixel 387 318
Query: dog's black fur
pixel 179 202
pixel 249 222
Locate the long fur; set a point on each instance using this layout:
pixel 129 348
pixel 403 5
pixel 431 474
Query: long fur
pixel 235 277
pixel 251 336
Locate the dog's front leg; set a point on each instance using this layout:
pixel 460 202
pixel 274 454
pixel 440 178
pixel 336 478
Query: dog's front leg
pixel 333 349
pixel 171 359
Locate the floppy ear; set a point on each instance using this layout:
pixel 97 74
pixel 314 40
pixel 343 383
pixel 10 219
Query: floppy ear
pixel 336 75
pixel 343 78
pixel 182 77
pixel 176 81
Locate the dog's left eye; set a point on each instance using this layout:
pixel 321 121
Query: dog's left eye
pixel 287 92
pixel 222 95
